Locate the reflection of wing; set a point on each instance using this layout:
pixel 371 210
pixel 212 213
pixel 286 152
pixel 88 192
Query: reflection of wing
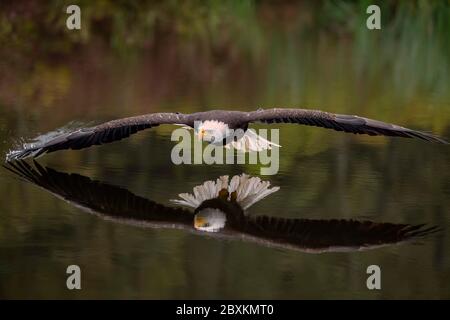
pixel 329 235
pixel 103 199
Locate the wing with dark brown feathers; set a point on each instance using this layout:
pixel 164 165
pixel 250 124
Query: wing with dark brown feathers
pixel 339 122
pixel 104 133
pixel 331 235
pixel 100 198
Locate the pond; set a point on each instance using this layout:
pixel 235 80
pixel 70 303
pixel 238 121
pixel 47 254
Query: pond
pixel 337 191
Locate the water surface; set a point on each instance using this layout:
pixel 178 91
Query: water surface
pixel 401 77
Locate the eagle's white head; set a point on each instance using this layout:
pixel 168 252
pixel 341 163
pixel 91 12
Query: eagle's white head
pixel 212 131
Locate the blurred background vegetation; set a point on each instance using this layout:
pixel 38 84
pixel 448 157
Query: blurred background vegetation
pixel 271 46
pixel 124 25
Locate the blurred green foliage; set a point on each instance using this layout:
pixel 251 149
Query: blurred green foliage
pixel 27 25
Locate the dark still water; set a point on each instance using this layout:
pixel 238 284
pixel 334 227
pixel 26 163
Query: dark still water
pixel 344 202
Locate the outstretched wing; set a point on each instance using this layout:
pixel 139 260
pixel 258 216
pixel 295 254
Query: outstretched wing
pixel 329 235
pixel 339 122
pixel 103 199
pixel 104 133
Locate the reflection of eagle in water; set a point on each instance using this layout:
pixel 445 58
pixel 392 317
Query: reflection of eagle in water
pixel 219 211
pixel 218 127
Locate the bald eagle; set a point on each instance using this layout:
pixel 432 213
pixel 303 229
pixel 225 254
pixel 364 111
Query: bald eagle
pixel 215 127
pixel 219 209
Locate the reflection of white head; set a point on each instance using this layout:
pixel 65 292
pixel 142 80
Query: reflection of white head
pixel 249 190
pixel 210 220
pixel 212 131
